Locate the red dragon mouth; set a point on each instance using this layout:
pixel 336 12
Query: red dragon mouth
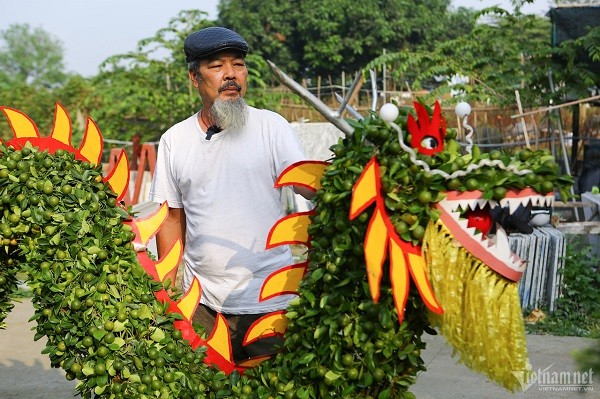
pixel 492 250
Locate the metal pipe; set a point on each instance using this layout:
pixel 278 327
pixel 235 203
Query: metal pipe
pixel 331 116
pixel 351 110
pixel 373 89
pixel 346 98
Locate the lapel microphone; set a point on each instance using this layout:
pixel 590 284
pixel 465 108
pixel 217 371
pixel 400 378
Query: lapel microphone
pixel 213 129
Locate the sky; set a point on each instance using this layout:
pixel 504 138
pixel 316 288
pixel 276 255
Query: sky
pixel 92 31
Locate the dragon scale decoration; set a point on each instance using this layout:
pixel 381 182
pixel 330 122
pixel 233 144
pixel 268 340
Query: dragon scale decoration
pixel 399 242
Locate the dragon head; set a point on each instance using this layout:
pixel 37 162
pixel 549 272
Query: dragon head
pixel 465 189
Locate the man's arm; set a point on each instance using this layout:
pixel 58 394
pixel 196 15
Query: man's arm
pixel 172 229
pixel 305 192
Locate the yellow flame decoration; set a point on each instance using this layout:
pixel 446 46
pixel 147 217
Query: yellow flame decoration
pixel 188 303
pixel 91 147
pixel 118 179
pixel 306 173
pixel 375 245
pixel 220 340
pixel 62 125
pixel 20 123
pixel 380 233
pixel 267 325
pixel 366 189
pixel 285 280
pixel 149 227
pixel 418 271
pixel 291 229
pixel 170 261
pixel 255 361
pixel 399 278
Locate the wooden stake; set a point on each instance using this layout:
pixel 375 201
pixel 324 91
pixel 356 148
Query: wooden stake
pixel 537 111
pixel 522 119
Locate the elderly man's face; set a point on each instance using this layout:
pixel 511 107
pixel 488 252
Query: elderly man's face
pixel 222 76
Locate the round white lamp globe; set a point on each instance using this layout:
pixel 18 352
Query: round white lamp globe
pixel 389 112
pixel 462 109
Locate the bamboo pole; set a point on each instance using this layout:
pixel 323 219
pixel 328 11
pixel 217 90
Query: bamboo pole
pixel 523 123
pixel 553 107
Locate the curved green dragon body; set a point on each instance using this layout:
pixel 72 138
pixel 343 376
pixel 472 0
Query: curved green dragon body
pixel 367 293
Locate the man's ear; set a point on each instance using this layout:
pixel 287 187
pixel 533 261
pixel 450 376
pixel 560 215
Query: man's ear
pixel 194 78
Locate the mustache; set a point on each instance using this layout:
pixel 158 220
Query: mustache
pixel 230 84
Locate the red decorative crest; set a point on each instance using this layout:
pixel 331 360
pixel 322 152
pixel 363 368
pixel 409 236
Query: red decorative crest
pixel 427 135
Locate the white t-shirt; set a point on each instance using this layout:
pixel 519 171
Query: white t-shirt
pixel 226 187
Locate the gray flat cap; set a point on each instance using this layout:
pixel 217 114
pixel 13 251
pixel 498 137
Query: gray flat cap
pixel 208 41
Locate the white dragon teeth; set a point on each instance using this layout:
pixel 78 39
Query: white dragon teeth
pixel 511 203
pixel 460 204
pixel 537 200
pixel 463 224
pixel 502 244
pixel 482 203
pixel 500 248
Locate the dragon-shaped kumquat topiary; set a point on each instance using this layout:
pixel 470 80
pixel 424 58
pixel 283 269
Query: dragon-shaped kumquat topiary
pixel 399 241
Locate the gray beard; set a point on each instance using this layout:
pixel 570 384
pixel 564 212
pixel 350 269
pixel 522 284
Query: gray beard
pixel 229 114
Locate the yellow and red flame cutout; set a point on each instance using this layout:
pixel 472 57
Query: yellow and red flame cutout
pixel 380 238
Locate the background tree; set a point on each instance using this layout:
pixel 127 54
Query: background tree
pixel 427 43
pixel 312 38
pixel 575 66
pixel 31 56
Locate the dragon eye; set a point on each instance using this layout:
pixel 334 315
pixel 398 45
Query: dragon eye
pixel 429 143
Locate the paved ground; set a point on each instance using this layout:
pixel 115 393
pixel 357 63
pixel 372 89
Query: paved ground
pixel 26 374
pixel 446 379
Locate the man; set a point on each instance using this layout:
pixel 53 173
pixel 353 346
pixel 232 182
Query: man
pixel 216 170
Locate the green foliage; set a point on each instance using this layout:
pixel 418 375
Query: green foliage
pixel 589 357
pixel 569 68
pixel 578 307
pixel 591 43
pixel 266 25
pixel 502 52
pixel 34 101
pixel 310 38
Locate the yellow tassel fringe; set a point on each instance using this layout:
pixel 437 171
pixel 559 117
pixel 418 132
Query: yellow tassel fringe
pixel 482 317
